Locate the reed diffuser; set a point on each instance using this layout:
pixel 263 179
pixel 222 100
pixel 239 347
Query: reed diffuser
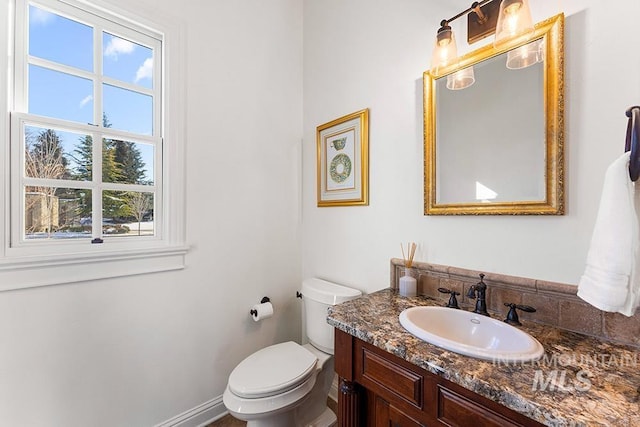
pixel 407 283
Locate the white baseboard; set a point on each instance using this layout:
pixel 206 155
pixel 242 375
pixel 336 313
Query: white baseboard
pixel 199 416
pixel 214 409
pixel 333 391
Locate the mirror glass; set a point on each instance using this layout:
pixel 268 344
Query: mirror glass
pixel 495 147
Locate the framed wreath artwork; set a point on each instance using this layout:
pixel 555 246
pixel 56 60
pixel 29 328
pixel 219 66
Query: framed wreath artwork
pixel 343 160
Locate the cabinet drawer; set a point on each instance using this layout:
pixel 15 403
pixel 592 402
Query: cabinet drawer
pixel 456 410
pixel 392 377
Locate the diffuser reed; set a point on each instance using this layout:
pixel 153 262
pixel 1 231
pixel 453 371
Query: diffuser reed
pixel 408 284
pixel 411 250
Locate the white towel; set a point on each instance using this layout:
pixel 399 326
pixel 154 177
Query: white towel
pixel 610 281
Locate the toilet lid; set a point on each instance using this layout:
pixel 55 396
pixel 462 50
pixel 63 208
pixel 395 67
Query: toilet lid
pixel 272 370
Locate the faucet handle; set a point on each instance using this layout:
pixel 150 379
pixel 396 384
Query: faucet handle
pixel 453 301
pixel 472 292
pixel 512 315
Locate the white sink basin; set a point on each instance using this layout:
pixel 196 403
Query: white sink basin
pixel 470 334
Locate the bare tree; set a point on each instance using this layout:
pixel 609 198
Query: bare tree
pixel 43 159
pixel 139 204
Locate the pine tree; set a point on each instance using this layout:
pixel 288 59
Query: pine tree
pixel 128 156
pixel 111 171
pixel 111 168
pixel 121 163
pixel 83 157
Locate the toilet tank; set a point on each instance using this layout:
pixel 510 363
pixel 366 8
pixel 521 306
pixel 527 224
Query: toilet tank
pixel 318 295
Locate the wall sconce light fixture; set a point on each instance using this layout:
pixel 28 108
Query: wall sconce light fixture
pixel 444 51
pixel 514 20
pixel 504 18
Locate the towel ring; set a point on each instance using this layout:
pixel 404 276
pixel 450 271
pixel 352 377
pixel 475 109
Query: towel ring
pixel 631 143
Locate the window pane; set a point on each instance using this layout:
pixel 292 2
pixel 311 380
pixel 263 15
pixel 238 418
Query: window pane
pixel 127 162
pixel 128 110
pixel 127 61
pixel 56 154
pixel 60 39
pixel 60 95
pixel 127 213
pixel 57 213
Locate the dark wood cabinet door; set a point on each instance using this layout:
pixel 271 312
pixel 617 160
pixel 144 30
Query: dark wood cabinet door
pixel 387 415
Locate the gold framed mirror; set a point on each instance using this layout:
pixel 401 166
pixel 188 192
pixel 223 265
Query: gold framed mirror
pixel 497 146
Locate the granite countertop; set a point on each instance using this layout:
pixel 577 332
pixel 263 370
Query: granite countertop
pixel 580 381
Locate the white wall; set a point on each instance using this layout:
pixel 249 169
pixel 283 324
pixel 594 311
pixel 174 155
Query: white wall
pixel 363 53
pixel 137 351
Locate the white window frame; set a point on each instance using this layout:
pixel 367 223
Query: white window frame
pixel 37 263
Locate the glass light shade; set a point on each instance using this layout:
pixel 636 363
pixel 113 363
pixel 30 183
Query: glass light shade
pixel 445 50
pixel 514 20
pixel 525 56
pixel 461 79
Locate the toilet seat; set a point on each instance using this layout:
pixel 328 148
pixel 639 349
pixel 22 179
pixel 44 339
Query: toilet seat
pixel 272 370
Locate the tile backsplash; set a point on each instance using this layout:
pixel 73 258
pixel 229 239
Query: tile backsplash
pixel 556 303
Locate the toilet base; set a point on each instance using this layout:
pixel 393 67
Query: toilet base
pixel 287 419
pixel 326 419
pixel 284 419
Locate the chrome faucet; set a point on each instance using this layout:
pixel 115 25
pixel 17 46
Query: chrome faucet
pixel 479 290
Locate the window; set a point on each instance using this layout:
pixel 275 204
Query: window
pixel 88 158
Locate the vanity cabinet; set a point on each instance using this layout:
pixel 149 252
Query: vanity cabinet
pixel 380 389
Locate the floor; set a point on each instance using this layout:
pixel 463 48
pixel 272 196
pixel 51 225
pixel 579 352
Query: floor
pixel 229 421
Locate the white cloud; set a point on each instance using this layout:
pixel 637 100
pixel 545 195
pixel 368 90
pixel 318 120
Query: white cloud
pixel 40 16
pixel 145 71
pixel 117 46
pixel 87 99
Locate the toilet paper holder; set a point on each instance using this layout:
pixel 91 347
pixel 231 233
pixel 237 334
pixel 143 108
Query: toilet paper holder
pixel 254 313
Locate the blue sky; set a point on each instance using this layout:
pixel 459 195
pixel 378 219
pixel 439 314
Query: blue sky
pixel 64 96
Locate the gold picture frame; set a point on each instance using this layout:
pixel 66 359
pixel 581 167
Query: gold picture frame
pixel 343 161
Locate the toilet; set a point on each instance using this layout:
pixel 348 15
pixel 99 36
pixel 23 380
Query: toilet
pixel 287 384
